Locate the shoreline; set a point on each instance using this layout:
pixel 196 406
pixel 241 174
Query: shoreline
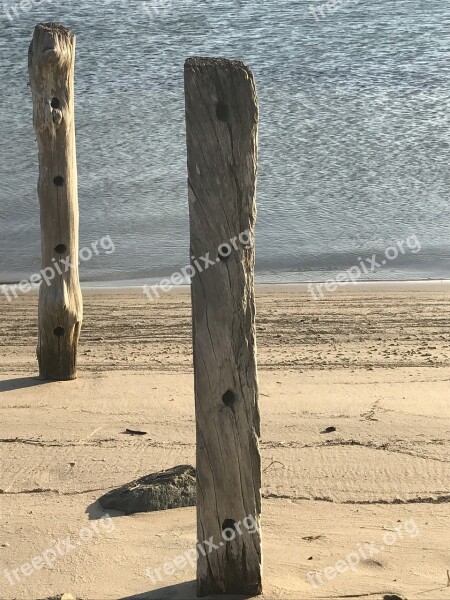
pixel 380 285
pixel 359 326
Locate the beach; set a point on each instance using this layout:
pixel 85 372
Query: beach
pixel 354 399
pixel 145 143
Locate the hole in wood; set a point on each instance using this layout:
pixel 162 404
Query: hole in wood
pixel 222 111
pixel 229 398
pixel 55 103
pixel 58 181
pixel 229 529
pixel 59 331
pixel 60 249
pixel 225 251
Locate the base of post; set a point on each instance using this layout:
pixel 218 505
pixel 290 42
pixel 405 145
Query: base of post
pixel 246 591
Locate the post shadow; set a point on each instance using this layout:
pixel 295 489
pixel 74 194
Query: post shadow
pixel 180 591
pixel 21 383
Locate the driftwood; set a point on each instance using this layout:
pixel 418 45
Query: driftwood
pixel 222 123
pixel 51 69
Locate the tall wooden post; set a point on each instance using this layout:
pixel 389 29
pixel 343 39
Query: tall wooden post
pixel 222 125
pixel 51 63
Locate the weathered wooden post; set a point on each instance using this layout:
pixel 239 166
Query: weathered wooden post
pixel 51 63
pixel 222 126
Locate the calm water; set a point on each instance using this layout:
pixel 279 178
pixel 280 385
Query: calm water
pixel 354 134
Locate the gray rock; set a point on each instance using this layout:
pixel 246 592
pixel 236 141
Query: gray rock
pixel 173 488
pixel 63 597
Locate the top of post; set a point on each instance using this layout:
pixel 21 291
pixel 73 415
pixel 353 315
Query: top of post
pixel 54 27
pixel 195 62
pixel 51 42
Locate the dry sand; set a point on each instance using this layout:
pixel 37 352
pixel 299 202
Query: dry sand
pixel 371 361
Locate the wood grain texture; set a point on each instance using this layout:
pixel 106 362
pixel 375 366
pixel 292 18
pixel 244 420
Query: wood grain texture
pixel 222 127
pixel 51 69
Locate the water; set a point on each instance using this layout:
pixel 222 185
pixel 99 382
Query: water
pixel 354 133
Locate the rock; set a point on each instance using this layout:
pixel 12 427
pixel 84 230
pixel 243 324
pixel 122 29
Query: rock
pixel 329 430
pixel 173 488
pixel 63 597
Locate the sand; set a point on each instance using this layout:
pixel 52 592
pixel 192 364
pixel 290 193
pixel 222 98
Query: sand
pixel 371 361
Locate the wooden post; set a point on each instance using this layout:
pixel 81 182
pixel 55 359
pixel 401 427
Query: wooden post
pixel 51 62
pixel 222 125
